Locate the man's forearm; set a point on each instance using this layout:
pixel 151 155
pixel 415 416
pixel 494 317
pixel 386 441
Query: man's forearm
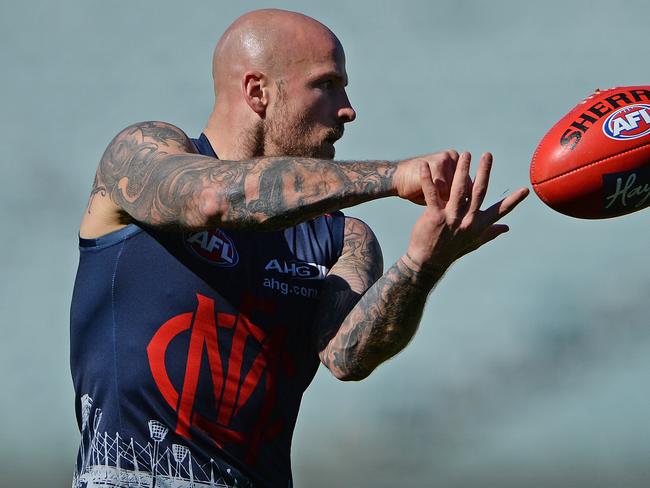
pixel 382 323
pixel 271 193
pixel 151 172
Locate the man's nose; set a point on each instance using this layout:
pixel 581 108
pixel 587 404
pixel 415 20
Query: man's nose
pixel 347 114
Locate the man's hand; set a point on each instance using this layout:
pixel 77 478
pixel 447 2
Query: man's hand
pixel 362 325
pixel 408 182
pixel 453 224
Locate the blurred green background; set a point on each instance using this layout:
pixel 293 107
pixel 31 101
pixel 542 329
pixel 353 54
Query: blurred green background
pixel 531 364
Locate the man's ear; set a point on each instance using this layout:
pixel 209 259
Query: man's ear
pixel 255 90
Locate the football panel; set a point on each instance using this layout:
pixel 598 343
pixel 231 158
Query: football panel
pixel 615 186
pixel 565 148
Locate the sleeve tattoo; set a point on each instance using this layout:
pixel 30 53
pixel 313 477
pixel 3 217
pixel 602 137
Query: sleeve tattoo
pixel 371 318
pixel 152 173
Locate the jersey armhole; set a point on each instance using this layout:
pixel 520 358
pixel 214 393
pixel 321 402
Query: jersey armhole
pixel 338 233
pixel 110 239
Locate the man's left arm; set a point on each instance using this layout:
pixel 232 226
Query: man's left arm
pixel 365 317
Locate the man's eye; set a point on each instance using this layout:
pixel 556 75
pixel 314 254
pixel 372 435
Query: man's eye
pixel 326 84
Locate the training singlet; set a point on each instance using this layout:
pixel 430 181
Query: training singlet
pixel 190 351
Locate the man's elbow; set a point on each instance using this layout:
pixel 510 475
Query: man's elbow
pixel 346 364
pixel 351 374
pixel 217 208
pixel 211 207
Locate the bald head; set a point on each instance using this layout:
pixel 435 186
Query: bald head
pixel 279 80
pixel 270 41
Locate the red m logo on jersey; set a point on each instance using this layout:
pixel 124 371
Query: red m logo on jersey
pixel 231 391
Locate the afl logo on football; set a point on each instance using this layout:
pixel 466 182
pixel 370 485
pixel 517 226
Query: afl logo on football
pixel 629 122
pixel 214 246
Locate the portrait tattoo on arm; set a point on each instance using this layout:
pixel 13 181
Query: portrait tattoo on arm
pixel 152 172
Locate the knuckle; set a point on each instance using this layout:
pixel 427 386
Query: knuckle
pixel 435 218
pixel 468 222
pixel 450 155
pixel 438 219
pixel 436 168
pixel 436 164
pixel 454 221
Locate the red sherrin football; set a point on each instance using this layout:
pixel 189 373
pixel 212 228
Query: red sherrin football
pixel 595 162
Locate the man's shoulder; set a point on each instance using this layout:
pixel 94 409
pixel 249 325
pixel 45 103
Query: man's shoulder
pixel 128 161
pixel 354 226
pixel 361 246
pixel 153 131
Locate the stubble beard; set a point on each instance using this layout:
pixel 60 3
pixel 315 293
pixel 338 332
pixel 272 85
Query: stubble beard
pixel 277 137
pixel 286 134
pixel 289 134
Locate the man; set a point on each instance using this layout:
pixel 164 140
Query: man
pixel 209 288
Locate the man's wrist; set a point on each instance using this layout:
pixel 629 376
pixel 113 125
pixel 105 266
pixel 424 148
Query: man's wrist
pixel 421 272
pixel 397 180
pixel 392 191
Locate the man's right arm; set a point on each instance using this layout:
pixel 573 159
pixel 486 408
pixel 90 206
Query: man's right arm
pixel 151 173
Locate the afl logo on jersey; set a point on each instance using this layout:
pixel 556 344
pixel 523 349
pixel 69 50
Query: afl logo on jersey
pixel 629 122
pixel 213 246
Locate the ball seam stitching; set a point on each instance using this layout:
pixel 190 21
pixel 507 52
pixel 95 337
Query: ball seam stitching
pixel 575 170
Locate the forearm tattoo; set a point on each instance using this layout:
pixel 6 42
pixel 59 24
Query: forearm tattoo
pixel 152 172
pixel 382 322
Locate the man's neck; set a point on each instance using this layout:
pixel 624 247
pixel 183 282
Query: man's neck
pixel 225 139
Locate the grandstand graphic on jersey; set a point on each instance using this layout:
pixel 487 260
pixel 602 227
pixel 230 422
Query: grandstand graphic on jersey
pixel 114 461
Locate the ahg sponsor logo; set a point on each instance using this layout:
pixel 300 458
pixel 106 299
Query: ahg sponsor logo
pixel 214 246
pixel 629 190
pixel 629 122
pixel 297 269
pixel 286 288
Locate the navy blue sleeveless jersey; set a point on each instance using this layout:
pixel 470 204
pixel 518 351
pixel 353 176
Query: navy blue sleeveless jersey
pixel 190 351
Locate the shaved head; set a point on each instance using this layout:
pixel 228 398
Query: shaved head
pixel 279 84
pixel 268 40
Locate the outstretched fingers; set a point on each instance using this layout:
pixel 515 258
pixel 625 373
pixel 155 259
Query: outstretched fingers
pixel 493 232
pixel 481 182
pixel 444 168
pixel 429 189
pixel 504 207
pixel 459 185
